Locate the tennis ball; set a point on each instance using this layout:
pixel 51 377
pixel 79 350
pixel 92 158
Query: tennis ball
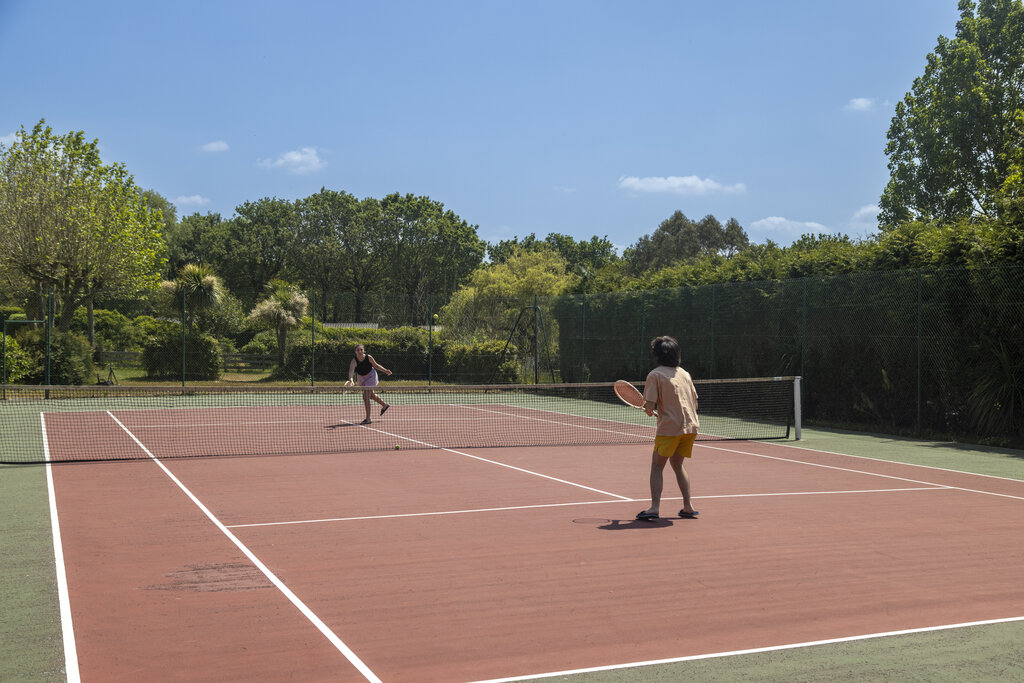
pixel 397 447
pixel 435 317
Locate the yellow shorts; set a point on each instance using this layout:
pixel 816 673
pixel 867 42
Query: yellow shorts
pixel 667 446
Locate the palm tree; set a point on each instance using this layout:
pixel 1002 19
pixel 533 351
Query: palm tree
pixel 199 287
pixel 280 311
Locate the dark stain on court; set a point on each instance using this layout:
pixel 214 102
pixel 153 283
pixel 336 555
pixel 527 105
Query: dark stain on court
pixel 227 576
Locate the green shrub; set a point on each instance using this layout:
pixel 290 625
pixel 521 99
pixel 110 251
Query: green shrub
pixel 227 320
pixel 146 326
pixel 6 312
pixel 114 331
pixel 162 357
pixel 264 343
pixel 404 352
pixel 478 363
pixel 17 363
pixel 70 357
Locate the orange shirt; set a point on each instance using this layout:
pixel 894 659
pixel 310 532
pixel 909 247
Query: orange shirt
pixel 672 390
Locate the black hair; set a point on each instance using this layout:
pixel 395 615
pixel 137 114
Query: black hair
pixel 666 351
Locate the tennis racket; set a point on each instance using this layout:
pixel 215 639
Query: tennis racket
pixel 349 383
pixel 630 395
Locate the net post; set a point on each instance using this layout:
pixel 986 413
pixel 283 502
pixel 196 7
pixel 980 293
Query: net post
pixel 797 417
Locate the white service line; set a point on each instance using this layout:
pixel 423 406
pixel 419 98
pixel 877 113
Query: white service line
pixel 431 514
pixel 494 462
pixel 872 474
pixel 560 422
pixel 294 599
pixel 583 502
pixel 63 595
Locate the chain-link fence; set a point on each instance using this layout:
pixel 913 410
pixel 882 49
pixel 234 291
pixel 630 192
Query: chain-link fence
pixel 917 352
pixel 182 339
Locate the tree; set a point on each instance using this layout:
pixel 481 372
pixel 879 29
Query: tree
pixel 72 224
pixel 251 250
pixel 280 311
pixel 330 249
pixel 501 251
pixel 429 250
pixel 735 238
pixel 487 306
pixel 680 239
pixel 192 240
pixel 583 258
pixel 594 262
pixel 159 204
pixel 198 288
pixel 956 143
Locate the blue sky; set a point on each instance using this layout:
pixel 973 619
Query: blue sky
pixel 579 117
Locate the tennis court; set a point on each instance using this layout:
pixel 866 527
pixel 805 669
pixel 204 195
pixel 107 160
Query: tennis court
pixel 348 559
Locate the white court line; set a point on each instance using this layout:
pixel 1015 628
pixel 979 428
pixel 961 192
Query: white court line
pixel 565 424
pixel 493 462
pixel 235 423
pixel 900 462
pixel 776 648
pixel 63 595
pixel 585 502
pixel 872 474
pixel 294 599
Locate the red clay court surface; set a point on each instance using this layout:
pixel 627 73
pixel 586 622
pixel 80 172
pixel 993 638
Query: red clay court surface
pixel 477 564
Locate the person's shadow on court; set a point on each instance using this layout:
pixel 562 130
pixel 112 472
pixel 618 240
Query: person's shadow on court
pixel 341 424
pixel 623 524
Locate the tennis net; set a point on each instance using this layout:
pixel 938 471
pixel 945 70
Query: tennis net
pixel 88 423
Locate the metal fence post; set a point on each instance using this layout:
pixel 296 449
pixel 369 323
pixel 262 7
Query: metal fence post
pixel 643 332
pixel 49 335
pixel 920 304
pixel 430 339
pixel 183 361
pixel 803 329
pixel 583 340
pixel 711 360
pixel 312 340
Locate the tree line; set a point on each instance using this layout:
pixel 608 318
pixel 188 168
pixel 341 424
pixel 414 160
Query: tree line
pixel 70 223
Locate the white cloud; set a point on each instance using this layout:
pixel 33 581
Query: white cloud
pixel 299 162
pixel 866 214
pixel 860 104
pixel 8 140
pixel 865 104
pixel 192 200
pixel 865 219
pixel 783 230
pixel 215 146
pixel 686 185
